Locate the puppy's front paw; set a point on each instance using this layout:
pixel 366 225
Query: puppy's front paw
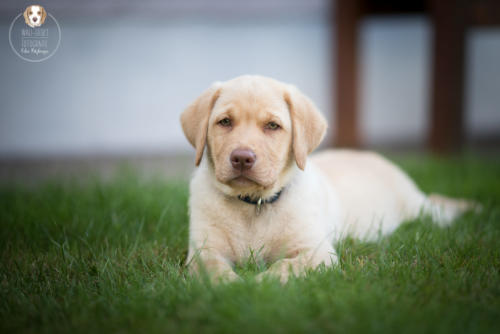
pixel 228 276
pixel 281 275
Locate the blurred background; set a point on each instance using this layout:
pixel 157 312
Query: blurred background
pixel 389 75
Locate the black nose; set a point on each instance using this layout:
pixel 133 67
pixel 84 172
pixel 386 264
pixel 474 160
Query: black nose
pixel 242 159
pixel 34 19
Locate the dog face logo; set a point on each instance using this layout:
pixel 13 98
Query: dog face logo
pixel 34 15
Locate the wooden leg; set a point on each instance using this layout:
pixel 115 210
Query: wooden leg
pixel 347 14
pixel 446 128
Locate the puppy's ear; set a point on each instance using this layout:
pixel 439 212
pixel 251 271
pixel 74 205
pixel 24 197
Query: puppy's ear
pixel 25 14
pixel 308 125
pixel 194 119
pixel 44 15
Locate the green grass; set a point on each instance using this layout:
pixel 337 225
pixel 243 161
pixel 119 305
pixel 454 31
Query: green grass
pixel 108 257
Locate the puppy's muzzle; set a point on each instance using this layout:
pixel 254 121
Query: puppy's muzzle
pixel 242 159
pixel 35 19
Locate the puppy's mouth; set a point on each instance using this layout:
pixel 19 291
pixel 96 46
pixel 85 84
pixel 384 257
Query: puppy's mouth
pixel 243 180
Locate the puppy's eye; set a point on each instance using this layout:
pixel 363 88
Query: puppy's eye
pixel 39 13
pixel 225 122
pixel 272 126
pixel 31 13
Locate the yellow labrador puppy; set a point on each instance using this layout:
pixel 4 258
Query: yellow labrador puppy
pixel 255 191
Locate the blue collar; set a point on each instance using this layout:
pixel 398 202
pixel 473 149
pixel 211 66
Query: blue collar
pixel 249 200
pixel 258 202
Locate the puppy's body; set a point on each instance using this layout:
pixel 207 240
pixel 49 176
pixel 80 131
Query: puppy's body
pixel 233 228
pixel 338 193
pixel 374 194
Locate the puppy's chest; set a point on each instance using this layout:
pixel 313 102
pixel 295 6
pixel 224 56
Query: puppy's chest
pixel 261 237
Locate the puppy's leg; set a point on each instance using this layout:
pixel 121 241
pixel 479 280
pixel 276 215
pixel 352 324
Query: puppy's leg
pixel 297 265
pixel 217 267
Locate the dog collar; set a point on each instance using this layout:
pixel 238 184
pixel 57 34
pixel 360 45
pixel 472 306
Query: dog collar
pixel 259 202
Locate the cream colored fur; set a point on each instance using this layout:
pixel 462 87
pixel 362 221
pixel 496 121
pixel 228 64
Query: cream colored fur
pixel 335 194
pixel 34 16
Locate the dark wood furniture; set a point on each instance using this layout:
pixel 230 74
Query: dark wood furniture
pixel 450 20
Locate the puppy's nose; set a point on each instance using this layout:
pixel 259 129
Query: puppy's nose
pixel 242 159
pixel 34 19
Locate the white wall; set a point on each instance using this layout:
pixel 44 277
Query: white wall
pixel 395 66
pixel 119 85
pixel 483 82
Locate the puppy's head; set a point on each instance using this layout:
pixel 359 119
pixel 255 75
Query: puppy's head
pixel 255 130
pixel 34 15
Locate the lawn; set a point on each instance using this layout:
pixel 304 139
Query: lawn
pixel 86 257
